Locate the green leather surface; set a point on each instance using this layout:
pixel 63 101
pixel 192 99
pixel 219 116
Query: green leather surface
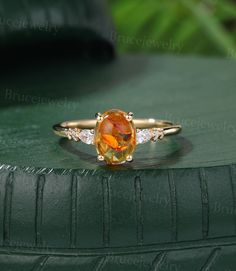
pixel 205 257
pixel 173 208
pixel 198 93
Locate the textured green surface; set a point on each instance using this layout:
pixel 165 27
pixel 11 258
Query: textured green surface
pixel 205 257
pixel 172 209
pixel 198 93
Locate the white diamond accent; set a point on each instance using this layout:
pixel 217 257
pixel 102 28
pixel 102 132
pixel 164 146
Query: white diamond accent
pixel 155 135
pixel 72 134
pixel 143 135
pixel 87 136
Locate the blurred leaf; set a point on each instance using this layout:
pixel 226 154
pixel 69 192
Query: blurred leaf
pixel 226 10
pixel 197 26
pixel 211 26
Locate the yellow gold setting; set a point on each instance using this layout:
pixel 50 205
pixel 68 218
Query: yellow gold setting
pixel 116 133
pixel 115 136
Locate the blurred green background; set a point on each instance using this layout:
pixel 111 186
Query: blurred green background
pixel 206 27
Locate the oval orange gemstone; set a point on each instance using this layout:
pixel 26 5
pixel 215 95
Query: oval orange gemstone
pixel 115 137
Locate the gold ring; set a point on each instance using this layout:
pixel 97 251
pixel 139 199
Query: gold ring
pixel 116 133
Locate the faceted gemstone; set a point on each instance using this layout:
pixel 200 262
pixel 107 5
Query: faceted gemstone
pixel 143 135
pixel 115 137
pixel 87 136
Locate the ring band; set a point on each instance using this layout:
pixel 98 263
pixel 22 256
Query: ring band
pixel 116 133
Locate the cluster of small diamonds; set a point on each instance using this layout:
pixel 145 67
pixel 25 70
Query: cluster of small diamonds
pixel 85 135
pixel 145 135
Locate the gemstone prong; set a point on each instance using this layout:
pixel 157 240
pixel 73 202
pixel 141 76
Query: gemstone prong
pixel 129 158
pixel 99 117
pixel 100 158
pixel 129 116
